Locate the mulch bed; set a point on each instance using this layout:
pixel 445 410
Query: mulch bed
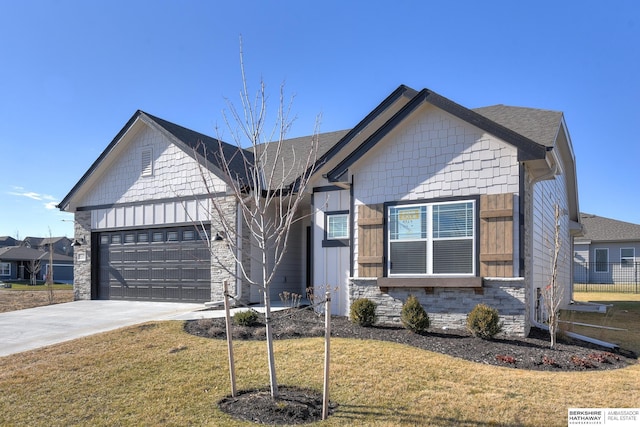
pixel 297 406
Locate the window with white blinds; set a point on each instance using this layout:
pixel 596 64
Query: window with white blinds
pixel 432 239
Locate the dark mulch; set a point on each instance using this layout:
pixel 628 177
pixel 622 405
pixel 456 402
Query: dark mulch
pixel 293 406
pixel 532 352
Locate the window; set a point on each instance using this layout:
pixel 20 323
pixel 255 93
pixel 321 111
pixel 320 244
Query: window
pixel 627 257
pixel 337 225
pixel 188 235
pixel 602 260
pixel 116 239
pixel 158 236
pixel 130 238
pixel 172 236
pixel 147 162
pixel 336 229
pixel 5 269
pixel 431 239
pixel 143 237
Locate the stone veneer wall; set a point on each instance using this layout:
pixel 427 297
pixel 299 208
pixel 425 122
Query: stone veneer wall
pixel 223 264
pixel 449 307
pixel 82 256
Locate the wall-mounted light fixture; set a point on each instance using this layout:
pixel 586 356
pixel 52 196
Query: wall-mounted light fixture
pixel 78 242
pixel 220 236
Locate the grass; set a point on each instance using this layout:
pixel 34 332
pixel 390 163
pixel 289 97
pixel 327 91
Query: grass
pixel 39 287
pixel 624 314
pixel 31 296
pixel 156 374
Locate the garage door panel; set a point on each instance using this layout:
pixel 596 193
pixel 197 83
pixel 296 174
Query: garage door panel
pixel 154 265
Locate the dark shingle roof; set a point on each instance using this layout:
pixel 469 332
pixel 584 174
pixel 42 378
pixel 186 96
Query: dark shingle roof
pixel 195 141
pixel 22 253
pixel 600 229
pixel 540 126
pixel 294 153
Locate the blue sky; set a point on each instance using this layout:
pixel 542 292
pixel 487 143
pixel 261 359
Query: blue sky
pixel 73 72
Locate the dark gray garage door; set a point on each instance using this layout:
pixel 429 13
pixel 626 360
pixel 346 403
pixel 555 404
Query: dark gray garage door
pixel 169 264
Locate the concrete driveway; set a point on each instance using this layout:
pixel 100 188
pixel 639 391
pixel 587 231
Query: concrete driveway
pixel 33 328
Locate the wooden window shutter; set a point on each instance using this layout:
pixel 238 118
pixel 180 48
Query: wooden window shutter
pixel 371 240
pixel 496 235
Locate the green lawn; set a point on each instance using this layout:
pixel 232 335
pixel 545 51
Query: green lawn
pixel 156 374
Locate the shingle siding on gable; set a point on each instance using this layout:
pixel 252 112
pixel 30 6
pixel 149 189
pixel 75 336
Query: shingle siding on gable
pixel 436 155
pixel 118 199
pixel 175 174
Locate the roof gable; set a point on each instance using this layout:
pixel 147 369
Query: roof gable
pixel 527 148
pixel 193 143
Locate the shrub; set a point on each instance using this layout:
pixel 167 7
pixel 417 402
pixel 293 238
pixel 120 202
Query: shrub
pixel 484 322
pixel 245 318
pixel 363 312
pixel 413 315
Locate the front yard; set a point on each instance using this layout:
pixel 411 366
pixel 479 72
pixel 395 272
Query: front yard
pixel 156 373
pixel 21 296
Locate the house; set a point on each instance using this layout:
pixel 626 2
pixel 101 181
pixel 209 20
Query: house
pixel 7 241
pixel 423 196
pixel 608 252
pixel 23 263
pixel 61 245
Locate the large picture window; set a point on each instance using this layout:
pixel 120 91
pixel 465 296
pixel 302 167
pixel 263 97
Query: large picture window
pixel 5 269
pixel 432 239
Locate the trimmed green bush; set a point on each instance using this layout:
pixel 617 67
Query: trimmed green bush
pixel 363 312
pixel 413 315
pixel 484 322
pixel 245 318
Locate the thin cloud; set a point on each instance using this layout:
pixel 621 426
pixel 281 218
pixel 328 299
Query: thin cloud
pixel 51 205
pixel 19 191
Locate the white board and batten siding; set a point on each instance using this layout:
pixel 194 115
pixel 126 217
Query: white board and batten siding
pixel 331 264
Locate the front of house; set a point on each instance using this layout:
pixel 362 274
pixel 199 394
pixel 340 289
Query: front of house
pixel 422 197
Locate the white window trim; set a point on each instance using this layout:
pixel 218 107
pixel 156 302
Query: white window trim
pixel 6 265
pixel 430 239
pixel 631 259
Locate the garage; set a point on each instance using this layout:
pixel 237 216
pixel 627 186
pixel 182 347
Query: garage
pixel 165 264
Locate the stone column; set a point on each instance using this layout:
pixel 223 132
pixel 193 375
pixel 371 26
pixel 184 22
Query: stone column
pixel 82 256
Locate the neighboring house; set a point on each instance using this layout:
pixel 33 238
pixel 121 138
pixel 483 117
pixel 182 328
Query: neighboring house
pixel 21 263
pixel 7 241
pixel 608 252
pixel 423 196
pixel 61 245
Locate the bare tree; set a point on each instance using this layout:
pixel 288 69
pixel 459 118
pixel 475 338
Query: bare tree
pixel 267 180
pixel 33 267
pixel 553 293
pixel 49 278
